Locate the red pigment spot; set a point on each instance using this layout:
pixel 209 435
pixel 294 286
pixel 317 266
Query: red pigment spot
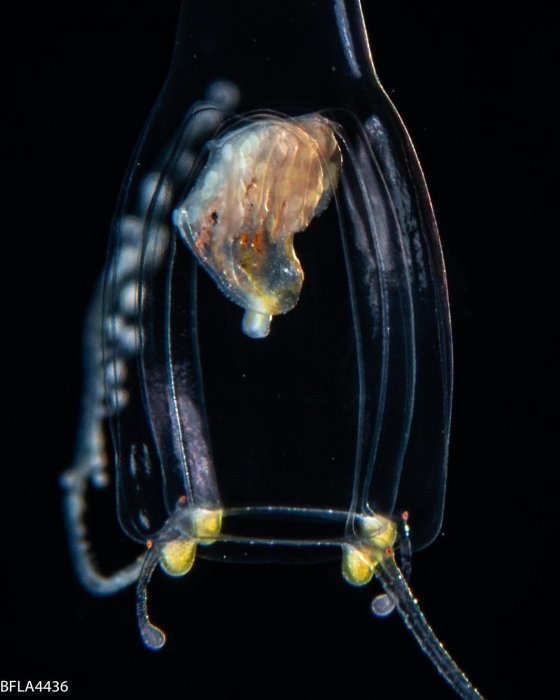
pixel 404 515
pixel 149 544
pixel 204 238
pixel 388 551
pixel 182 499
pixel 258 240
pixel 244 239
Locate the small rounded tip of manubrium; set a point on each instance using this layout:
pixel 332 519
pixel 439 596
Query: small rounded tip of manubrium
pixel 255 324
pixel 152 636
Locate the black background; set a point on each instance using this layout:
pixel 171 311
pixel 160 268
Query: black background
pixel 475 93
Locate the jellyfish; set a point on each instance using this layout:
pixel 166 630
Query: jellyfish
pixel 268 352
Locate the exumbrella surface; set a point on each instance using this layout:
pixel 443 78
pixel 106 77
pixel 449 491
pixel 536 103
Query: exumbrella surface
pixel 326 433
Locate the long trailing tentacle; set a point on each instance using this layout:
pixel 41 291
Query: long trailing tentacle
pixel 90 466
pixel 84 562
pixel 397 589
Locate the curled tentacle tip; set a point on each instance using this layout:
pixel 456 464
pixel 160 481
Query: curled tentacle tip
pixel 382 605
pixel 152 636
